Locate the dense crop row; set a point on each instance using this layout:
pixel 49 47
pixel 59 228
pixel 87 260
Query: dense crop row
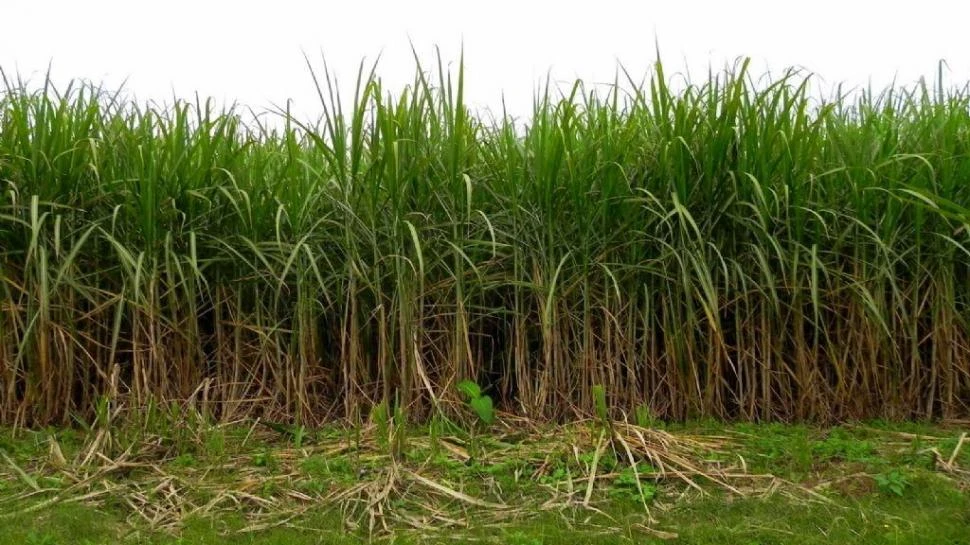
pixel 736 249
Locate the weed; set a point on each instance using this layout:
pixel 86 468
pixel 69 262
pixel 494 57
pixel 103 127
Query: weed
pixel 628 485
pixel 606 462
pixel 187 459
pixel 215 442
pixel 643 416
pixel 893 482
pixel 842 446
pixel 481 404
pixel 779 448
pixel 42 538
pixel 314 486
pixel 599 403
pixel 558 474
pixel 264 459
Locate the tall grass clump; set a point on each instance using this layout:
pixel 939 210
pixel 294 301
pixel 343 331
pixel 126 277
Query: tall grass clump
pixel 737 248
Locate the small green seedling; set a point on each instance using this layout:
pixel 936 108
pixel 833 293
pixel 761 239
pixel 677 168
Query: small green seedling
pixel 381 418
pixel 479 403
pixel 599 401
pixel 482 406
pixel 264 458
pixel 391 427
pixel 399 433
pixel 644 417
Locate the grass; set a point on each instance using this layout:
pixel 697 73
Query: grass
pixel 764 484
pixel 732 248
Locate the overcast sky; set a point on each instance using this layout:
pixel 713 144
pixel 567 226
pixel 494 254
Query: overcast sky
pixel 252 52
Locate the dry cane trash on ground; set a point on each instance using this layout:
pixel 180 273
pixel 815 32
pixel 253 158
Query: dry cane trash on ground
pixel 387 492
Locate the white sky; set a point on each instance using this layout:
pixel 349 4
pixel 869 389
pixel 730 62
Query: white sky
pixel 252 52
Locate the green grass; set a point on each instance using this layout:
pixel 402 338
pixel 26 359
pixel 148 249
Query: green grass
pixel 835 498
pixel 928 518
pixel 735 248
